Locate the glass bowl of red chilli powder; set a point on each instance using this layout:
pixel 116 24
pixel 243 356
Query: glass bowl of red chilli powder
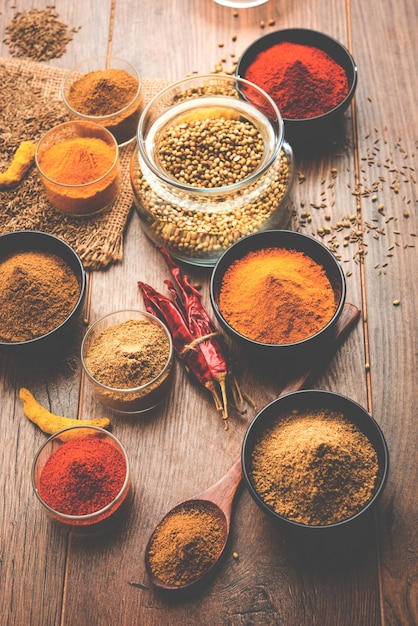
pixel 309 75
pixel 108 91
pixel 81 477
pixel 279 294
pixel 42 292
pixel 316 462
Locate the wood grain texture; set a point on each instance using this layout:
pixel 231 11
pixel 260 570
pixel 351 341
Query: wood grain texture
pixel 181 448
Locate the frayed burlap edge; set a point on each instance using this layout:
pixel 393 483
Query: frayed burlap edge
pixel 36 107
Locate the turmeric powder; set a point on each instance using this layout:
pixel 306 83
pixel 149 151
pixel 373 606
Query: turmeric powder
pixel 50 423
pixel 22 161
pixel 276 296
pixel 86 172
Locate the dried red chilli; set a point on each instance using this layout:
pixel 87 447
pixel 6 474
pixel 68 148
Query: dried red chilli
pixel 167 311
pixel 196 334
pixel 200 325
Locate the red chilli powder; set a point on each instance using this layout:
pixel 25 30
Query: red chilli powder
pixel 82 476
pixel 304 81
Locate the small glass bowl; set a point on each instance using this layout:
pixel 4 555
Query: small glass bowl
pixel 241 4
pixel 138 399
pixel 121 123
pixel 197 223
pixel 98 522
pixel 89 197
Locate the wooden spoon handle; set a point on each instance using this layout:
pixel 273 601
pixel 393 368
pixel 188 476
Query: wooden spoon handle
pixel 223 492
pixel 346 321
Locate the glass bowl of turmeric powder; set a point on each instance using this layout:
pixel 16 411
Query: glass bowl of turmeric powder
pixel 78 163
pixel 279 294
pixel 316 462
pixel 81 477
pixel 42 292
pixel 311 77
pixel 106 90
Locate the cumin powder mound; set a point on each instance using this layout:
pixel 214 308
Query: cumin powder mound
pixel 38 291
pixel 128 355
pixel 185 544
pixel 314 468
pixel 102 92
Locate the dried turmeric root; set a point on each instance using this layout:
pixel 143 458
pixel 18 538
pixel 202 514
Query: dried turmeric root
pixel 50 423
pixel 23 159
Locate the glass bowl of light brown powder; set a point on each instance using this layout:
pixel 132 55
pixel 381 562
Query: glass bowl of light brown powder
pixel 42 291
pixel 315 460
pixel 127 357
pixel 106 90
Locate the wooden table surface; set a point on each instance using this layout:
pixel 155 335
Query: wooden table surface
pixel 50 579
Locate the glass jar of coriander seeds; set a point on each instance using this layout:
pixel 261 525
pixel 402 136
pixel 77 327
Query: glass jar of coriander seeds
pixel 211 166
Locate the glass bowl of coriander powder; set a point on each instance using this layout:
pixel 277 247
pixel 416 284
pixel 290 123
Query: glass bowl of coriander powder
pixel 315 461
pixel 127 357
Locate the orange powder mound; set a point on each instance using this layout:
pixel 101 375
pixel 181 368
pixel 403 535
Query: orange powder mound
pixel 276 296
pixel 77 161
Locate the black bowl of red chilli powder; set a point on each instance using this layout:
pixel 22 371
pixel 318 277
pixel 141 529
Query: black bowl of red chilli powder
pixel 42 291
pixel 310 76
pixel 278 294
pixel 315 461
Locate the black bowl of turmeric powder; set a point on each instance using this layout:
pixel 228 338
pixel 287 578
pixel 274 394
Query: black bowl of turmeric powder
pixel 315 460
pixel 42 291
pixel 310 76
pixel 278 294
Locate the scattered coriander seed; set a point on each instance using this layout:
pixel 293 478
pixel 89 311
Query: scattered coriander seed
pixel 367 366
pixel 406 214
pixel 396 302
pixel 262 24
pixel 235 555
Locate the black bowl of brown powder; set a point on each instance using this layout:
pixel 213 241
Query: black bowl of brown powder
pixel 315 460
pixel 42 290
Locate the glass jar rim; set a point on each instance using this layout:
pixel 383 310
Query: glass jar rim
pixel 213 191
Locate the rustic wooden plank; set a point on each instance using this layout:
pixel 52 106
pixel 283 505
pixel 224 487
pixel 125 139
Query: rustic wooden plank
pixel 33 551
pixel 387 134
pixel 181 447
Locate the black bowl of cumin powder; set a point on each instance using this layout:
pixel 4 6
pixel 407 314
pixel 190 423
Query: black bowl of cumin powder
pixel 42 292
pixel 316 462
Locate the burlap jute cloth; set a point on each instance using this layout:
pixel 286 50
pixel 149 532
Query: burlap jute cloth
pixel 31 104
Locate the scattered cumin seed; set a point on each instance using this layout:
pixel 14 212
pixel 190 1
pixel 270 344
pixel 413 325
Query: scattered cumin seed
pixel 38 35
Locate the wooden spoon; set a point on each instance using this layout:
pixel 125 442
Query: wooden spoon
pixel 218 499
